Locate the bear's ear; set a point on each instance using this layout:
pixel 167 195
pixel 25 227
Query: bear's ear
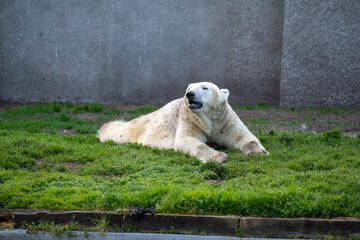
pixel 225 93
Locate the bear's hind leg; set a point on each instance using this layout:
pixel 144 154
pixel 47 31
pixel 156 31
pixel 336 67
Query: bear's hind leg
pixel 115 131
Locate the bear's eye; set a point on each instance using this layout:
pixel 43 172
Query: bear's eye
pixel 205 88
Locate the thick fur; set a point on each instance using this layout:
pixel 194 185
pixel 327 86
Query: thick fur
pixel 188 124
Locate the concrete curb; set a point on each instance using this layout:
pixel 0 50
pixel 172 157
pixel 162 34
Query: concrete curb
pixel 21 234
pixel 196 224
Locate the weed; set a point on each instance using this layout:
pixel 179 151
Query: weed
pixel 169 231
pixel 69 104
pixel 32 228
pixel 89 107
pixel 113 111
pixel 333 135
pixel 239 232
pixel 127 227
pixel 61 168
pixel 101 224
pixel 86 234
pixel 259 105
pixel 264 105
pixel 287 139
pixel 64 118
pixel 214 170
pixel 55 229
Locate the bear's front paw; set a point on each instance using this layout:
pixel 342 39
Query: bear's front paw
pixel 254 148
pixel 220 157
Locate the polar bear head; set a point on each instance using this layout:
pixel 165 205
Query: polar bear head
pixel 203 96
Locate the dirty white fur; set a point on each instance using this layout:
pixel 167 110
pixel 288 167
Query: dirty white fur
pixel 188 127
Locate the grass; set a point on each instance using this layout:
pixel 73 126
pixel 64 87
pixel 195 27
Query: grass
pixel 101 224
pixel 321 109
pixel 258 106
pixel 55 229
pixel 306 175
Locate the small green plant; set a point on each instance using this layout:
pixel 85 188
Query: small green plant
pixel 172 230
pixel 61 168
pixel 214 170
pixel 127 227
pixel 263 105
pixel 57 108
pixel 333 135
pixel 55 229
pixel 32 227
pixel 64 118
pixel 287 139
pixel 69 104
pixel 101 224
pixel 86 234
pixel 168 231
pixel 89 108
pixel 94 107
pixel 239 232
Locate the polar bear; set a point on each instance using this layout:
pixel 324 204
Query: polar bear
pixel 188 124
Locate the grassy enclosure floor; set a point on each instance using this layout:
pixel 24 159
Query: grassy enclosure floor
pixel 50 158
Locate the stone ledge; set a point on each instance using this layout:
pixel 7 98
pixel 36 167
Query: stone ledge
pixel 284 227
pixel 211 224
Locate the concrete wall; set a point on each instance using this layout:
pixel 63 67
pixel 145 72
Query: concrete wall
pixel 148 51
pixel 321 53
pixel 139 51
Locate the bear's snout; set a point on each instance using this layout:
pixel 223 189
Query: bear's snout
pixel 190 95
pixel 195 104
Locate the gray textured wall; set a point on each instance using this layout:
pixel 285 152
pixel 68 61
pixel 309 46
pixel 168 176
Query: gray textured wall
pixel 139 51
pixel 292 52
pixel 321 53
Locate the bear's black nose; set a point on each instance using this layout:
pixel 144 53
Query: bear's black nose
pixel 190 95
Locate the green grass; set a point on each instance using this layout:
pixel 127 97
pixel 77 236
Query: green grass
pixel 306 175
pixel 258 106
pixel 101 224
pixel 321 109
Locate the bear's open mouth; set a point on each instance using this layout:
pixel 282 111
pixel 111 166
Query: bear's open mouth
pixel 195 105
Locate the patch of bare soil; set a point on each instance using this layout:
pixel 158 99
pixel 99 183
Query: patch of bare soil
pixel 70 166
pixel 303 120
pixel 64 131
pixel 275 118
pixel 86 116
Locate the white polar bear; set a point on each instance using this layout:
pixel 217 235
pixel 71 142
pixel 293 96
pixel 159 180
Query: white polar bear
pixel 187 124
